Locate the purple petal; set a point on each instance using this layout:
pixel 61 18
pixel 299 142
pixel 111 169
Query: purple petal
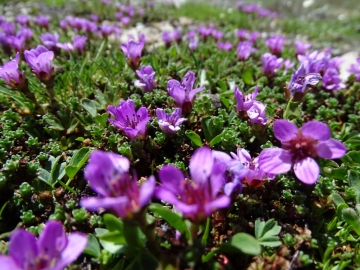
pixel 275 160
pixel 147 191
pixel 52 240
pixel 7 263
pixel 76 244
pixel 331 149
pixel 316 130
pixel 171 178
pixel 285 130
pixel 194 91
pixel 221 202
pixel 217 178
pixel 307 170
pixel 161 114
pixel 201 164
pixel 166 195
pixel 23 248
pixel 94 203
pixel 220 156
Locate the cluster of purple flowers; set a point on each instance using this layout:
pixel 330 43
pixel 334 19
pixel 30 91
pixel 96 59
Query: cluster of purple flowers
pixel 355 69
pixel 256 9
pixel 51 41
pixel 254 109
pixel 169 37
pixel 326 65
pixel 12 39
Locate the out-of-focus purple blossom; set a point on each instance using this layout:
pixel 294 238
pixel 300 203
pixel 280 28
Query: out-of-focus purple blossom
pixel 23 19
pixel 25 32
pixel 119 15
pixel 244 49
pixel 300 79
pixel 8 28
pixel 250 8
pixel 316 62
pixel 355 69
pixel 197 198
pixel 204 31
pixel 107 174
pixel 331 80
pixel 146 81
pixel 254 36
pixel 301 48
pixel 242 34
pixel 132 51
pixel 193 43
pixel 132 123
pixel 17 42
pixel 106 2
pixel 257 113
pixel 183 93
pixel 50 40
pixel 299 149
pixel 270 63
pixel 39 60
pixel 254 176
pixel 125 20
pixel 106 30
pixel 94 17
pixel 276 44
pixel 67 46
pixel 79 43
pixel 335 62
pixel 217 34
pixel 53 249
pixel 244 102
pixel 11 74
pixel 169 37
pixel 42 21
pixel 63 24
pixel 288 64
pixel 170 123
pixel 239 5
pixel 5 43
pixel 191 34
pixel 225 46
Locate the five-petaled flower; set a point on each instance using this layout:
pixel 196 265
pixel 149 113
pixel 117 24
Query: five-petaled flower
pixel 132 123
pixel 170 123
pixel 196 198
pixel 132 51
pixel 300 147
pixel 53 250
pixel 39 60
pixel 107 174
pixel 183 93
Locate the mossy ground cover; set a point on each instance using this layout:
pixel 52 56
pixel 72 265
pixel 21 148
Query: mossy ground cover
pixel 50 128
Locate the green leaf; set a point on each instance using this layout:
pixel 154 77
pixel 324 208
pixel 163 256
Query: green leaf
pixel 259 228
pixel 270 241
pixel 74 123
pixel 216 140
pixel 113 223
pixel 292 111
pixel 134 236
pixel 246 243
pixel 108 246
pixel 271 228
pixel 337 199
pixel 352 218
pixel 89 106
pixel 115 237
pixel 101 120
pixel 59 172
pixel 46 177
pixel 354 180
pixel 195 138
pixel 247 76
pixel 93 247
pixel 170 217
pixel 143 261
pixel 77 161
pixel 71 171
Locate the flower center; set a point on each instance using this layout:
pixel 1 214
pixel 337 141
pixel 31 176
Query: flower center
pixel 301 147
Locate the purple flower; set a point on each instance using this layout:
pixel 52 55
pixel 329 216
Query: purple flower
pixel 301 48
pixel 53 249
pixel 276 44
pixel 23 19
pixel 132 123
pixel 226 46
pixel 67 46
pixel 204 31
pixel 242 34
pixel 244 49
pixel 244 102
pixel 132 51
pixel 17 42
pixel 254 36
pixel 8 28
pixel 25 32
pixel 79 43
pixel 106 30
pixel 197 198
pixel 257 113
pixel 193 43
pixel 94 17
pixel 167 38
pixel 288 64
pixel 300 147
pixel 42 21
pixel 254 173
pixel 270 63
pixel 331 80
pixel 50 40
pixel 170 123
pixel 146 79
pixel 11 74
pixel 355 69
pixel 191 34
pixel 217 34
pixel 316 62
pixel 39 60
pixel 183 93
pixel 107 174
pixel 299 80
